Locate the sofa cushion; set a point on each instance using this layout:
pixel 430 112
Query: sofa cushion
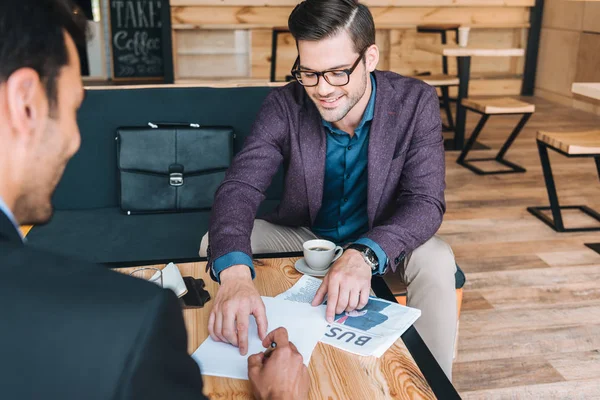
pixel 108 236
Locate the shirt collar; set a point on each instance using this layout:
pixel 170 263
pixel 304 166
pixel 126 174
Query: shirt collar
pixel 367 115
pixel 4 208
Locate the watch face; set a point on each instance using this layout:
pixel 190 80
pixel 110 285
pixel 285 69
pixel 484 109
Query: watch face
pixel 371 257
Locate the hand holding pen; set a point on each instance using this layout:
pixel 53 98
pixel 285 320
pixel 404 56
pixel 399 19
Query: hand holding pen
pixel 279 372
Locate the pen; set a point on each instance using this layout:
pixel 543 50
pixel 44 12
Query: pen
pixel 270 350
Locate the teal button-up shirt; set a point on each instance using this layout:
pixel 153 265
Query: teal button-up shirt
pixel 343 214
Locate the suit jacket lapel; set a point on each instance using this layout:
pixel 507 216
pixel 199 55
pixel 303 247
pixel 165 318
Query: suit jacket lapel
pixel 381 143
pixel 313 146
pixel 8 231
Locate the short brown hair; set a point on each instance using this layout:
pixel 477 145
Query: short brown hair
pixel 320 19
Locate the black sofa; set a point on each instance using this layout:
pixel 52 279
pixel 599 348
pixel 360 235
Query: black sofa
pixel 88 222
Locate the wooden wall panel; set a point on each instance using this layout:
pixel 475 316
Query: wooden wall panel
pixel 569 51
pixel 385 17
pixel 561 14
pixel 261 54
pixel 370 3
pixel 286 53
pixel 382 39
pixel 213 66
pixel 212 54
pixel 591 17
pixel 212 42
pixel 588 59
pixel 557 60
pixel 403 58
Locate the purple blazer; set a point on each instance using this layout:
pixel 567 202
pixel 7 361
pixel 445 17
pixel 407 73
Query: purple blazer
pixel 406 170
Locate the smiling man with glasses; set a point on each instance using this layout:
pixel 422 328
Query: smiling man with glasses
pixel 364 167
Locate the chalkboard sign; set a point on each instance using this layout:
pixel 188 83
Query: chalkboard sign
pixel 137 38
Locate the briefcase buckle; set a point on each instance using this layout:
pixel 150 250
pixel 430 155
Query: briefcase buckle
pixel 176 179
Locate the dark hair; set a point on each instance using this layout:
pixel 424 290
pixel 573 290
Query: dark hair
pixel 320 19
pixel 32 36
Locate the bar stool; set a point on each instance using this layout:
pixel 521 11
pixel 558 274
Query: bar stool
pixel 495 106
pixel 445 98
pixel 569 144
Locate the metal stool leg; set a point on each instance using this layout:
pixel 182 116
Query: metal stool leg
pixel 274 34
pixel 550 187
pixel 513 168
pixel 444 58
pixel 446 106
pixel 471 141
pixel 512 137
pixel 556 222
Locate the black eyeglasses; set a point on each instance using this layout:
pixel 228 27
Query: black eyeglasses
pixel 335 77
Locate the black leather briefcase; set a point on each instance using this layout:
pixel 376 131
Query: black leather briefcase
pixel 171 167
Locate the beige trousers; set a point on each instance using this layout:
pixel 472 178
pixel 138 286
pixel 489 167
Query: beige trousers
pixel 428 273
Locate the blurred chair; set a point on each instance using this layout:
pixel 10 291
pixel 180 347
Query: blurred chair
pixel 495 106
pixel 569 144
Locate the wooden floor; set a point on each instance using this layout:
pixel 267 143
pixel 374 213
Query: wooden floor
pixel 530 323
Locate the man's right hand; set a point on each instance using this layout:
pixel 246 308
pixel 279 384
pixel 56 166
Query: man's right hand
pixel 236 300
pixel 283 375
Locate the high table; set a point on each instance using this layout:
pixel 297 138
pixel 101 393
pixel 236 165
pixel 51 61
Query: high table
pixel 406 371
pixel 587 89
pixel 590 90
pixel 463 56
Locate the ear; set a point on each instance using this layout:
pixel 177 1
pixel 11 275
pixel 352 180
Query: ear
pixel 372 57
pixel 27 101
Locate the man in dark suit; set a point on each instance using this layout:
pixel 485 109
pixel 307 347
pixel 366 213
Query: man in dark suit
pixel 72 330
pixel 364 167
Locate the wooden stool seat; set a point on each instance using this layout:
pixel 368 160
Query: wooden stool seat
pixel 587 142
pixel 439 80
pixel 499 105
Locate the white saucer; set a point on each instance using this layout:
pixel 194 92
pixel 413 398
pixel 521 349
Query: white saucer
pixel 302 266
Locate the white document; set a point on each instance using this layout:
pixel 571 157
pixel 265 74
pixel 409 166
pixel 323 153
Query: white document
pixel 367 332
pixel 305 325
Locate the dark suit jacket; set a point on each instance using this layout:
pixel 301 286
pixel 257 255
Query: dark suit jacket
pixel 72 330
pixel 406 170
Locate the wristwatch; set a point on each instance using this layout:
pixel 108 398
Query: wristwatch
pixel 368 255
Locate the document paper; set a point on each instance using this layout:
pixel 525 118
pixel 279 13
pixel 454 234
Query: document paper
pixel 305 324
pixel 367 332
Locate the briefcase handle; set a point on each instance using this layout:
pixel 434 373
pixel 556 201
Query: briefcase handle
pixel 156 125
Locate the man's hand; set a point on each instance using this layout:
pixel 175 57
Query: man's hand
pixel 281 376
pixel 347 285
pixel 236 299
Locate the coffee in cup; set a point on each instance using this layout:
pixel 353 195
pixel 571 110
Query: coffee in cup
pixel 320 253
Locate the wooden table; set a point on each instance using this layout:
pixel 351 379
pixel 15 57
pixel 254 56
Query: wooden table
pixel 463 56
pixel 587 89
pixel 334 374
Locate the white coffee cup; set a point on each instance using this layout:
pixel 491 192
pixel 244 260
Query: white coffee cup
pixel 319 253
pixel 463 36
